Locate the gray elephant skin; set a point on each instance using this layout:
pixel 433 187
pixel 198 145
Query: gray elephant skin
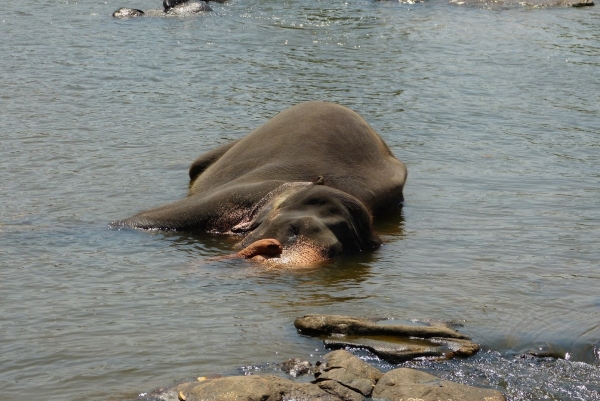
pixel 313 178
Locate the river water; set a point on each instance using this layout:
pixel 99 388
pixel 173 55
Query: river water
pixel 494 108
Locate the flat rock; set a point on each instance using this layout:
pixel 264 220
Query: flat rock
pixel 252 388
pixel 406 384
pixel 352 372
pixel 457 347
pixel 391 353
pixel 336 324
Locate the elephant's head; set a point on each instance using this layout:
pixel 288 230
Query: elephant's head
pixel 312 222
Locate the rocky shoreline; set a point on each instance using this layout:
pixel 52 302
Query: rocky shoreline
pixel 342 376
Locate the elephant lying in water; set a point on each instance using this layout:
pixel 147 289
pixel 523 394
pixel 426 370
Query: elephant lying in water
pixel 310 179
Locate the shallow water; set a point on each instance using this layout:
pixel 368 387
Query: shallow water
pixel 493 107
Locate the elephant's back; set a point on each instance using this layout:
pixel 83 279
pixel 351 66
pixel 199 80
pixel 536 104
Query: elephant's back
pixel 320 135
pixel 304 142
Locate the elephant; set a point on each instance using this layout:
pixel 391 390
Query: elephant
pixel 311 179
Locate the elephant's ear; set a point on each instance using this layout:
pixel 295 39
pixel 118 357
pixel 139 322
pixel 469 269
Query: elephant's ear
pixel 269 202
pixel 362 222
pixel 245 226
pixel 256 216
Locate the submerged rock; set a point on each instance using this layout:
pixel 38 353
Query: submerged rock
pixel 296 367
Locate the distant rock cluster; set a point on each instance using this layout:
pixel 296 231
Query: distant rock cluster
pixel 179 9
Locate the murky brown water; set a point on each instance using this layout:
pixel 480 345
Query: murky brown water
pixel 494 109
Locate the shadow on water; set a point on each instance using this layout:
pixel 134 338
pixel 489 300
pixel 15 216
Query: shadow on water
pixel 390 224
pixel 200 244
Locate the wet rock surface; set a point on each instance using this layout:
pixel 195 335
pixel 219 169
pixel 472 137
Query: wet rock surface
pixel 337 324
pixel 392 354
pixel 393 343
pixel 339 390
pixel 296 367
pixel 251 388
pixel 341 376
pixel 404 383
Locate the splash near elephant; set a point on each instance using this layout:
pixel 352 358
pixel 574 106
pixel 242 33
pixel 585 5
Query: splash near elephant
pixel 311 179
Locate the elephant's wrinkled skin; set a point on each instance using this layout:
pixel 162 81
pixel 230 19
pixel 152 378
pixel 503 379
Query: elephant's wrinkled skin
pixel 311 178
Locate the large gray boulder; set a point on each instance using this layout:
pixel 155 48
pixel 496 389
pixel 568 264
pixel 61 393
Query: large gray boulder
pixel 406 384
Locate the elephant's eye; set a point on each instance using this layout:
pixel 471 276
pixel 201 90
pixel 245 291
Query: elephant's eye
pixel 334 210
pixel 294 229
pixel 315 201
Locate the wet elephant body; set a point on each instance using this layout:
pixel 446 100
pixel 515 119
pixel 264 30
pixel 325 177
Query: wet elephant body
pixel 312 177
